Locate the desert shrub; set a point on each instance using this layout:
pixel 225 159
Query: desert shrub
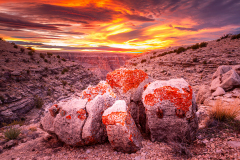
pixel 2 98
pixel 63 59
pixel 38 101
pixel 225 36
pixel 154 53
pixel 21 122
pixel 218 40
pixel 13 43
pixel 1 39
pixel 195 59
pixel 64 83
pixel 144 60
pixel 152 57
pixel 195 46
pixel 45 60
pixel 7 60
pixel 30 53
pixel 22 50
pixel 180 50
pixel 236 36
pixel 33 129
pixel 15 46
pixel 203 44
pixel 50 54
pixel 64 70
pixel 28 71
pixel 42 55
pixel 204 62
pixel 31 49
pixel 49 92
pixel 225 112
pixel 58 56
pixel 12 133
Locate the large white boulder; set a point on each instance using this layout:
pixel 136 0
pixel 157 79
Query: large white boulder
pixel 170 110
pixel 122 132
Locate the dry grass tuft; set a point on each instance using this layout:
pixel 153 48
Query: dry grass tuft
pixel 222 111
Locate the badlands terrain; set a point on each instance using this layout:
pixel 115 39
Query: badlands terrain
pixel 29 78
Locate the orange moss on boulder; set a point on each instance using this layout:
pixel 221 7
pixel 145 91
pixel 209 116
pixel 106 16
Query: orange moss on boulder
pixel 115 118
pixel 180 100
pixel 126 79
pixel 81 114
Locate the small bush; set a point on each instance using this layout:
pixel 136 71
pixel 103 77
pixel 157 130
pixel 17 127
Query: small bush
pixel 30 53
pixel 152 57
pixel 28 71
pixel 12 133
pixel 225 112
pixel 134 64
pixel 180 50
pixel 33 129
pixel 144 60
pixel 195 59
pixel 64 70
pixel 225 36
pixel 58 56
pixel 195 46
pixel 64 83
pixel 204 62
pixel 1 39
pixel 45 60
pixel 42 55
pixel 50 54
pixel 31 49
pixel 2 98
pixel 15 46
pixel 13 43
pixel 235 36
pixel 63 59
pixel 21 123
pixel 218 40
pixel 38 102
pixel 154 53
pixel 49 92
pixel 203 44
pixel 22 50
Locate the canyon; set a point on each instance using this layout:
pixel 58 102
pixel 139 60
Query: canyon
pixel 99 64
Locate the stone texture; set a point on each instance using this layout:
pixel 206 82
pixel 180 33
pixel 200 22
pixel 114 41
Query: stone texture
pixel 234 144
pixel 122 132
pixel 69 123
pixel 219 92
pixel 170 110
pixel 203 93
pixel 227 81
pixel 128 84
pixel 221 70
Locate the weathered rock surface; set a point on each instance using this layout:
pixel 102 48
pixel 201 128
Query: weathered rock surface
pixel 203 93
pixel 122 131
pixel 227 81
pixel 219 92
pixel 78 121
pixel 170 110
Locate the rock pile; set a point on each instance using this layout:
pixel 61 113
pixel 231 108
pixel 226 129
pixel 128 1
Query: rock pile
pixel 120 107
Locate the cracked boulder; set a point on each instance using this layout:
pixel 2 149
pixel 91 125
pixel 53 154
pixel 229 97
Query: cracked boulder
pixel 170 111
pixel 122 131
pixel 78 121
pixel 129 84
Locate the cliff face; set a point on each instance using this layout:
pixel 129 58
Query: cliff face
pixel 100 64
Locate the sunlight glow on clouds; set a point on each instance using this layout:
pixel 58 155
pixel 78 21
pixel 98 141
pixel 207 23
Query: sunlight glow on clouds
pixel 116 25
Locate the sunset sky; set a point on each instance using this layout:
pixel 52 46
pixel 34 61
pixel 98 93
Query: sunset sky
pixel 132 26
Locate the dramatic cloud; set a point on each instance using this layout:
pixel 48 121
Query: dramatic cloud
pixel 117 25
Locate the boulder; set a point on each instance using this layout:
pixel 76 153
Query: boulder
pixel 94 130
pixel 170 111
pixel 122 132
pixel 221 70
pixel 227 81
pixel 69 122
pixel 128 84
pixel 203 93
pixel 219 92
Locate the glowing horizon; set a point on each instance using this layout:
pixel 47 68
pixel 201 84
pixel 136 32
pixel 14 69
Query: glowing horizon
pixel 116 26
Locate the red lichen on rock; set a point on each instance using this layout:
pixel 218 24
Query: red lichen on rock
pixel 180 100
pixel 92 92
pixel 81 114
pixel 126 79
pixel 115 118
pixel 130 138
pixel 54 109
pixel 68 117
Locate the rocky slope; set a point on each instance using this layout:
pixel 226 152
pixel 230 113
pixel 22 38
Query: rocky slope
pixel 30 79
pixel 99 64
pixel 196 66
